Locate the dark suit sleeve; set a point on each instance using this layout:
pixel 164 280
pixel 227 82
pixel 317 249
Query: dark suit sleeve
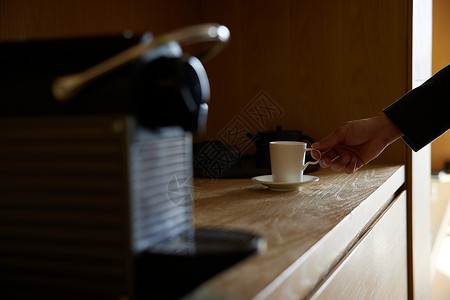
pixel 423 114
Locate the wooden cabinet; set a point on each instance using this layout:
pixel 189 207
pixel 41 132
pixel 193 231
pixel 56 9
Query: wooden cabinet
pixel 376 267
pixel 344 232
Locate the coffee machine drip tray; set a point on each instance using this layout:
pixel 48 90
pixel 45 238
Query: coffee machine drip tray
pixel 181 265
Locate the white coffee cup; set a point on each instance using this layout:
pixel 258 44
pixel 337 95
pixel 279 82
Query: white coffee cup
pixel 287 160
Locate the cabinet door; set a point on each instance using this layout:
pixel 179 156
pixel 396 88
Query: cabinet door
pixel 376 267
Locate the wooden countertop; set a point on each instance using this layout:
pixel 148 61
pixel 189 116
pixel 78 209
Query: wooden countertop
pixel 306 231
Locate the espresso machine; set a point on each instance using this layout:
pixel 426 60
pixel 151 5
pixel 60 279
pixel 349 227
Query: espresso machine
pixel 96 168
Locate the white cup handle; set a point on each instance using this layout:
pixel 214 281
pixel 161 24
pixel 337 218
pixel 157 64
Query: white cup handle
pixel 312 162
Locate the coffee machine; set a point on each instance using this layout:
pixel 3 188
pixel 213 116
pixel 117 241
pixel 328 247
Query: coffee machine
pixel 96 168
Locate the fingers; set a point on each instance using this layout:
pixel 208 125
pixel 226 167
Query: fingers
pixel 338 151
pixel 327 158
pixel 351 167
pixel 330 141
pixel 314 154
pixel 326 147
pixel 340 163
pixel 340 160
pixel 350 164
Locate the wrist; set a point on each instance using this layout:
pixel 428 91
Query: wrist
pixel 388 130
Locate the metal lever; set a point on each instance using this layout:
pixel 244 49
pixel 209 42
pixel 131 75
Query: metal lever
pixel 66 87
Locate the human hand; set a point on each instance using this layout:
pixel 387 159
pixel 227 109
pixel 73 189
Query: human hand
pixel 356 143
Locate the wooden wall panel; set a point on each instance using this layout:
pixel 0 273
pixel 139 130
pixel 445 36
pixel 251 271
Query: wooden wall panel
pixel 41 19
pixel 418 167
pixel 419 244
pixel 441 58
pixel 322 62
pixel 441 39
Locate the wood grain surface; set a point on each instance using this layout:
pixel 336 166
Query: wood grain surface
pixel 306 231
pixel 322 63
pixel 47 19
pixel 378 264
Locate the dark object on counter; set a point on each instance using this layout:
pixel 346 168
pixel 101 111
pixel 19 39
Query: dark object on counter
pixel 262 140
pixel 214 159
pixel 178 272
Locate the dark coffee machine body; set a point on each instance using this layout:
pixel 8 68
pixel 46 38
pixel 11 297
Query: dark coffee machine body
pixel 98 184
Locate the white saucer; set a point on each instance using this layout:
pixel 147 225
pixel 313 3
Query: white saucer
pixel 283 186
